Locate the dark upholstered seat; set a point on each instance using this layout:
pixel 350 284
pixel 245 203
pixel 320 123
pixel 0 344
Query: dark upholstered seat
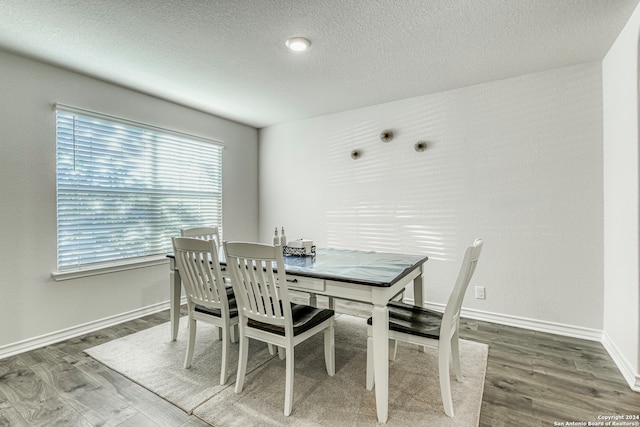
pixel 233 310
pixel 413 320
pixel 305 317
pixel 233 306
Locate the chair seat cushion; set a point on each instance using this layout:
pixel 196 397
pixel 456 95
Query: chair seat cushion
pixel 305 317
pixel 233 308
pixel 409 319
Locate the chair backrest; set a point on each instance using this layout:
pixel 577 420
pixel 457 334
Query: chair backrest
pixel 199 268
pixel 451 316
pixel 205 233
pixel 261 293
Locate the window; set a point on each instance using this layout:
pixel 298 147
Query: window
pixel 124 188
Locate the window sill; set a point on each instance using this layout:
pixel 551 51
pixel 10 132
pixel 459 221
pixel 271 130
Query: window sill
pixel 109 268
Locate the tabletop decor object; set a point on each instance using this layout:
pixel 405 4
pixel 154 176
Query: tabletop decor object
pixel 300 247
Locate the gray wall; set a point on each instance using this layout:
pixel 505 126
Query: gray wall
pixel 32 305
pixel 621 237
pixel 517 162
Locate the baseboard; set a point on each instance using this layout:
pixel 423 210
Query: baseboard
pixel 630 375
pixel 525 323
pixel 65 334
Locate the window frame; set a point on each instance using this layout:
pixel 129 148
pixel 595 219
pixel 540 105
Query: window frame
pixel 64 272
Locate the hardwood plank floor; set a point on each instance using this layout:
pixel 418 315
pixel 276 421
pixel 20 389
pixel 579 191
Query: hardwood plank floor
pixel 533 379
pixel 539 379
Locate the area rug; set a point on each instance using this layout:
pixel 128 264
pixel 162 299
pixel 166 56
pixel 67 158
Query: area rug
pixel 151 360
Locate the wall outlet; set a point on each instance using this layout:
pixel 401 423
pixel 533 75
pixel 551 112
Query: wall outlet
pixel 479 292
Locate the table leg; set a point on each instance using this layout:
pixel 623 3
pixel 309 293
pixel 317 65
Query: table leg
pixel 175 289
pixel 380 317
pixel 313 300
pixel 418 289
pixel 418 294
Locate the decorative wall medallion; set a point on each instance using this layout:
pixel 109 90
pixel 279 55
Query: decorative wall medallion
pixel 420 146
pixel 386 135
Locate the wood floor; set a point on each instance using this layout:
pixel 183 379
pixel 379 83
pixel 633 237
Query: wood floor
pixel 533 379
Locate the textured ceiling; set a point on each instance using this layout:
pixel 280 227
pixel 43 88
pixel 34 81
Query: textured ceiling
pixel 228 57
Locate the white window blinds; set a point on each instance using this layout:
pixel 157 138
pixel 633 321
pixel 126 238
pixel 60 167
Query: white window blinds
pixel 124 188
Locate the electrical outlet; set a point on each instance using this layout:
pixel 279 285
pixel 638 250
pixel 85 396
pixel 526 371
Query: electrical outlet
pixel 479 292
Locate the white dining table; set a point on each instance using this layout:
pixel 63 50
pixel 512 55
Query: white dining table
pixel 362 276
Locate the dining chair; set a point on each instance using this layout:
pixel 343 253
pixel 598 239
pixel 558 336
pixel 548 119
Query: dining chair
pixel 210 233
pixel 266 313
pixel 205 233
pixel 207 296
pixel 428 328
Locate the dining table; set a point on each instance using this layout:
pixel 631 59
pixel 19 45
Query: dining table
pixel 369 277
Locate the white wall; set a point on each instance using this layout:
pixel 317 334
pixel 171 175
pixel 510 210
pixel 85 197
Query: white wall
pixel 516 162
pixel 32 304
pixel 621 280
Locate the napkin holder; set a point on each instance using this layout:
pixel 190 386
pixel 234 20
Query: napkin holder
pixel 300 247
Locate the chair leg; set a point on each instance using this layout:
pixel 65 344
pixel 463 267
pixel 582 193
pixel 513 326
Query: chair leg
pixel 272 349
pixel 288 390
pixel 445 380
pixel 370 378
pixel 330 350
pixel 282 353
pixel 242 362
pixel 216 333
pixel 455 356
pixel 234 333
pixel 191 343
pixel 224 364
pixel 393 349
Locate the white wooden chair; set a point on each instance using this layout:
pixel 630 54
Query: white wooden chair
pixel 207 296
pixel 417 325
pixel 210 233
pixel 205 233
pixel 267 315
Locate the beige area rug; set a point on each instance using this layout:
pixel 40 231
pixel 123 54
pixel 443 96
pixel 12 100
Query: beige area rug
pixel 150 359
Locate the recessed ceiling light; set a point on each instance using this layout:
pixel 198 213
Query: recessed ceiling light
pixel 298 44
